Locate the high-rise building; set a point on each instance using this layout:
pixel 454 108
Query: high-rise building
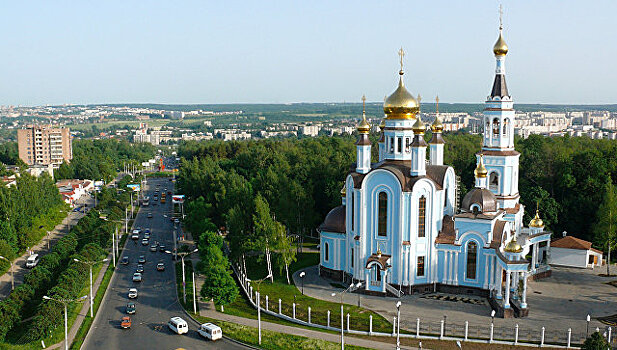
pixel 44 145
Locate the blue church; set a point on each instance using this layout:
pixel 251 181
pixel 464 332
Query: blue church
pixel 400 229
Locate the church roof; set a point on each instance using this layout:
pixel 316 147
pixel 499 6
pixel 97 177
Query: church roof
pixel 497 233
pixel 402 170
pixel 500 89
pixel 335 220
pixel 481 196
pixel 447 235
pixel 498 153
pixel 380 259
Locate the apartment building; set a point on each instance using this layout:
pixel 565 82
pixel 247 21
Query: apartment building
pixel 44 145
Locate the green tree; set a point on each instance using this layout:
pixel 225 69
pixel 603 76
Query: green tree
pixel 220 286
pixel 605 227
pixel 595 342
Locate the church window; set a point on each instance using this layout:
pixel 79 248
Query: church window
pixel 391 144
pixel 420 267
pixel 382 226
pixel 472 254
pixel 326 252
pixel 407 145
pixel 353 214
pixel 445 199
pixel 399 142
pixel 493 182
pixel 506 125
pixel 496 127
pixel 352 257
pixel 422 217
pixel 377 273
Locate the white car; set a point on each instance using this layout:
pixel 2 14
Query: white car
pixel 32 261
pixel 137 277
pixel 178 325
pixel 145 241
pixel 132 293
pixel 210 331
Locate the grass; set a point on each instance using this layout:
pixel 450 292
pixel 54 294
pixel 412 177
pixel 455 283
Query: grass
pixel 288 293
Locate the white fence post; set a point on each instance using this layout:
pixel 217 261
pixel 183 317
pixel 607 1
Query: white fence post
pixel 394 326
pixel 347 322
pixel 441 330
pixel 542 338
pixel 466 329
pixel 309 314
pixel 491 339
pixel 267 303
pixel 328 319
pixel 370 325
pixel 418 327
pixel 609 334
pixel 251 289
pixel 294 311
pixel 569 337
pixel 516 334
pixel 280 306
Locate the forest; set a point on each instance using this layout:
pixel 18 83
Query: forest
pixel 299 180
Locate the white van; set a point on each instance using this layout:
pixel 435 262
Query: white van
pixel 210 331
pixel 32 261
pixel 178 325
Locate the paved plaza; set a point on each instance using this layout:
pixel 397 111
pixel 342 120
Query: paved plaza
pixel 557 303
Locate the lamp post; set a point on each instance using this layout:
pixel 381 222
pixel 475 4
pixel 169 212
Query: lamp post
pixel 10 269
pixel 398 325
pixel 258 282
pixel 182 255
pixel 302 274
pixel 64 303
pixel 90 264
pixel 588 320
pixel 342 312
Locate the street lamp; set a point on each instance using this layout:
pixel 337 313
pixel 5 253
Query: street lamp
pixel 302 274
pixel 182 255
pixel 64 303
pixel 90 264
pixel 588 320
pixel 342 311
pixel 398 325
pixel 10 269
pixel 258 295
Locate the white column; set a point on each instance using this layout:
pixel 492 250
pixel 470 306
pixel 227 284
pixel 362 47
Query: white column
pixel 384 275
pixel 506 300
pixel 456 268
pixel 366 276
pixel 524 296
pixel 534 257
pixel 486 272
pixel 405 265
pixel 450 267
pixel 514 287
pixel 446 267
pixel 548 252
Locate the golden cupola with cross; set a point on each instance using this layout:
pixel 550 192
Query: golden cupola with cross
pixel 401 104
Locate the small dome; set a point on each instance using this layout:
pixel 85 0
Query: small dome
pixel 480 170
pixel 481 198
pixel 536 221
pixel 513 246
pixel 382 125
pixel 334 221
pixel 401 104
pixel 500 48
pixel 418 127
pixel 364 127
pixel 437 125
pixel 344 191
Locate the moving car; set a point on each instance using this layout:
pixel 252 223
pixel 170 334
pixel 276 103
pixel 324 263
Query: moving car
pixel 125 322
pixel 140 268
pixel 32 261
pixel 135 236
pixel 160 266
pixel 145 241
pixel 210 331
pixel 162 248
pixel 132 293
pixel 125 260
pixel 130 308
pixel 137 277
pixel 142 259
pixel 147 235
pixel 153 248
pixel 149 215
pixel 178 325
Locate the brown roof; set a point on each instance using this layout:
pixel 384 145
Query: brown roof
pixel 481 196
pixel 381 259
pixel 497 233
pixel 498 153
pixel 436 139
pixel 500 89
pixel 402 170
pixel 447 235
pixel 335 220
pixel 570 242
pixel 514 210
pixel 363 140
pixel 487 216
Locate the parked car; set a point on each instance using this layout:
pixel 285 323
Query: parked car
pixel 137 277
pixel 125 322
pixel 160 266
pixel 140 268
pixel 142 259
pixel 130 308
pixel 32 261
pixel 125 260
pixel 132 293
pixel 210 331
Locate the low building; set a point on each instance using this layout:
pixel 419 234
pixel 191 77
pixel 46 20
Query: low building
pixel 71 190
pixel 574 252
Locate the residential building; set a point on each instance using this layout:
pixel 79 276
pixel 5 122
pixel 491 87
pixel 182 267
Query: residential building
pixel 44 145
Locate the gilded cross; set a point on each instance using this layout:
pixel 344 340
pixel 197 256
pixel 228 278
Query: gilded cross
pixel 500 16
pixel 363 104
pixel 437 104
pixel 401 54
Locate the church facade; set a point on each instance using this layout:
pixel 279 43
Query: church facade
pixel 399 229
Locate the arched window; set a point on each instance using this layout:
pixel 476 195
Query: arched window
pixel 422 216
pixel 472 254
pixel 493 182
pixel 382 226
pixel 326 252
pixel 476 209
pixel 506 126
pixel 496 127
pixel 353 214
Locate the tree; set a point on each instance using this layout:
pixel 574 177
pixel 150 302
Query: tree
pixel 605 228
pixel 287 253
pixel 595 342
pixel 220 286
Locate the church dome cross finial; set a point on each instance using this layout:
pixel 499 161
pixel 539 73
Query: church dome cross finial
pixel 364 127
pixel 401 54
pixel 500 48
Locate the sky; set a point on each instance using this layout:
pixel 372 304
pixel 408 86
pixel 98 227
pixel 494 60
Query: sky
pixel 202 52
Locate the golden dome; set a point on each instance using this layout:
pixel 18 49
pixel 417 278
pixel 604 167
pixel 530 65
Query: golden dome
pixel 437 126
pixel 513 246
pixel 418 127
pixel 480 169
pixel 500 48
pixel 344 191
pixel 401 104
pixel 382 125
pixel 364 127
pixel 536 221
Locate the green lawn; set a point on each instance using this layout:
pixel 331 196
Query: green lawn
pixel 359 317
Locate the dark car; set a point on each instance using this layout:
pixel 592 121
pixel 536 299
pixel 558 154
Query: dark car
pixel 125 260
pixel 161 248
pixel 130 308
pixel 142 259
pixel 140 268
pixel 149 215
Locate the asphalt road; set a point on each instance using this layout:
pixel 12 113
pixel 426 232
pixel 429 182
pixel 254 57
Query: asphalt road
pixel 156 302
